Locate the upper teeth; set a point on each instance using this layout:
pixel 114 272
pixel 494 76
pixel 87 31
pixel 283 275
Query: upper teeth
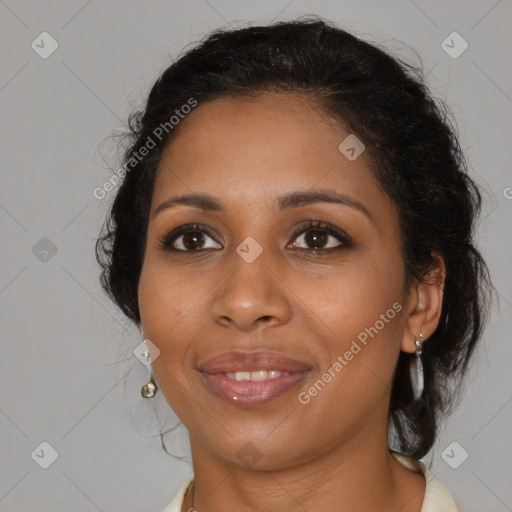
pixel 257 375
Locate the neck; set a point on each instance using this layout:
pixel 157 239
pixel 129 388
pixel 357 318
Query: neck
pixel 353 477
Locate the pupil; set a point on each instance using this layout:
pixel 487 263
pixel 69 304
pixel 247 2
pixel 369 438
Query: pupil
pixel 312 238
pixel 194 236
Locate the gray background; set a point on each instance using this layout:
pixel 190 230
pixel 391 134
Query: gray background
pixel 68 374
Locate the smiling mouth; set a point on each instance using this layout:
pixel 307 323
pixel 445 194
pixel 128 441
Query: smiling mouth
pixel 251 378
pixel 250 389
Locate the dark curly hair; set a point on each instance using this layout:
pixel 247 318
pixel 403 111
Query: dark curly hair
pixel 415 156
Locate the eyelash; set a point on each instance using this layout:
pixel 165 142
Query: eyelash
pixel 166 241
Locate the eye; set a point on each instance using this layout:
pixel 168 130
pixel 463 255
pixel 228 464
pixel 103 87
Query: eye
pixel 317 234
pixel 190 237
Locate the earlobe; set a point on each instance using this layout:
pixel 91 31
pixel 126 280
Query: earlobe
pixel 424 305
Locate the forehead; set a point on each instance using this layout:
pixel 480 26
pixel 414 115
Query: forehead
pixel 251 150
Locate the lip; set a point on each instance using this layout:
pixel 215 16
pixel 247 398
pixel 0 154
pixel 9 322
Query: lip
pixel 244 361
pixel 252 393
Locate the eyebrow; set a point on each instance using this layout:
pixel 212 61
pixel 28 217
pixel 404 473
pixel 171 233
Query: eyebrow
pixel 286 202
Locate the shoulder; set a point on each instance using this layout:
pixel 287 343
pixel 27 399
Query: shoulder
pixel 177 501
pixel 437 496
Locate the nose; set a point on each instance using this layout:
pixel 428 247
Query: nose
pixel 252 295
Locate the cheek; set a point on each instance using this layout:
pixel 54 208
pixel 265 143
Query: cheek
pixel 170 304
pixel 357 315
pixel 164 300
pixel 354 295
pixel 356 312
pixel 155 298
pixel 165 296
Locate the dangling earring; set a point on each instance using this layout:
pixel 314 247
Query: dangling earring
pixel 416 370
pixel 149 389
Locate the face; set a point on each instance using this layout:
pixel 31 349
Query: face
pixel 321 283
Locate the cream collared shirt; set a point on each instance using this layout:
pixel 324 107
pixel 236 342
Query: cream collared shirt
pixel 437 497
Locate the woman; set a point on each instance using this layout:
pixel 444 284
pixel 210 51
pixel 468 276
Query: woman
pixel 293 237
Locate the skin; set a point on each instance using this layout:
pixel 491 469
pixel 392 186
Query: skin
pixel 332 451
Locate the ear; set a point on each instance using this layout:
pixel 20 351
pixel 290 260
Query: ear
pixel 424 305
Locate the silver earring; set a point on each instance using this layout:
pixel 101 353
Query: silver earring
pixel 149 389
pixel 416 370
